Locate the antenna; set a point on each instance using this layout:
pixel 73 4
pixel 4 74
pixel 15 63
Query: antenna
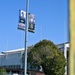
pixel 6 46
pixel 41 32
pixel 6 43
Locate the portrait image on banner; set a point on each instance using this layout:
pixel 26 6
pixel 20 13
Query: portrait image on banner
pixel 22 20
pixel 31 22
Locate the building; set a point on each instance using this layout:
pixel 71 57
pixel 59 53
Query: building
pixel 64 47
pixel 12 60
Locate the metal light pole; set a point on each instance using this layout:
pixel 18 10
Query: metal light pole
pixel 26 34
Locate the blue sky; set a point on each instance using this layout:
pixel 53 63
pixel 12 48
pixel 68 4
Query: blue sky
pixel 51 22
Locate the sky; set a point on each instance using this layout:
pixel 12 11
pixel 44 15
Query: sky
pixel 51 18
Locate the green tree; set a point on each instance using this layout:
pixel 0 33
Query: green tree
pixel 46 54
pixel 2 71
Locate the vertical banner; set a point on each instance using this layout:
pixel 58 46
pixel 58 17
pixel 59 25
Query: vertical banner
pixel 31 22
pixel 22 20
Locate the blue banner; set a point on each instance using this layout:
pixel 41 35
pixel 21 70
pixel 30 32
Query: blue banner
pixel 22 20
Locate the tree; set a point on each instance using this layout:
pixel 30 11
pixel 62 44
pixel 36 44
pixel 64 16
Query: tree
pixel 46 54
pixel 2 71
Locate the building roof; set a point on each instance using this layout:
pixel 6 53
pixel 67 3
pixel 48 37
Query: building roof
pixel 16 50
pixel 62 43
pixel 1 54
